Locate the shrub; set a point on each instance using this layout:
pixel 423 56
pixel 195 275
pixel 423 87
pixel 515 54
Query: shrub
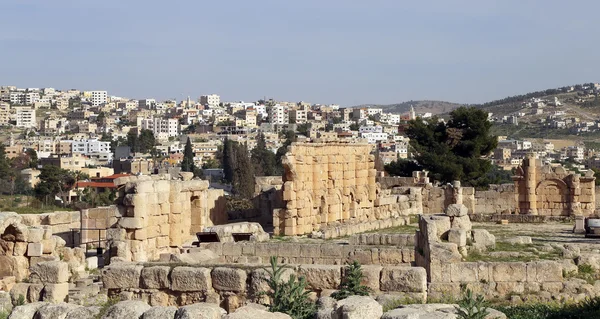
pixel 3 315
pixel 351 285
pixel 289 297
pixel 471 307
pixel 104 307
pixel 20 301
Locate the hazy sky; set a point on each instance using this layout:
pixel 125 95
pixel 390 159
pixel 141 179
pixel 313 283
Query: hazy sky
pixel 322 51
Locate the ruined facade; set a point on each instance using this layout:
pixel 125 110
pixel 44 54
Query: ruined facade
pixel 543 190
pixel 328 184
pixel 159 212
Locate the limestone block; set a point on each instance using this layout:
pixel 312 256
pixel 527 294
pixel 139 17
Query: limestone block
pixel 358 307
pixel 464 272
pixel 483 237
pixel 321 277
pixel 510 287
pixel 20 248
pixel 200 310
pixel 57 218
pixel 372 274
pixel 53 272
pixel 390 256
pixel 229 279
pixel 509 271
pixel 49 245
pixel 34 293
pixel 126 309
pixel 547 271
pixel 122 276
pixel 156 277
pixel 55 293
pixel 36 234
pixel 132 222
pixel 458 237
pixel 462 222
pixel 403 279
pixel 35 249
pixel 191 279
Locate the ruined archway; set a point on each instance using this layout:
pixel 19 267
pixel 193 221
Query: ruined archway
pixel 553 196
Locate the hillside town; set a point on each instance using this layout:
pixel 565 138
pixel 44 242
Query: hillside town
pixel 90 131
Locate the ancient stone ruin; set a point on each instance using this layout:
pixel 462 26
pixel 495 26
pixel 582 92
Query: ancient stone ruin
pixel 543 190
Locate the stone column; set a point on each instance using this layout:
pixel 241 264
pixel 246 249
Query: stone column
pixel 457 194
pixel 530 184
pixel 575 204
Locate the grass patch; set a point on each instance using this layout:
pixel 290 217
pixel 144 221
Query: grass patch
pixel 3 315
pixel 404 229
pixel 104 307
pixel 526 253
pixel 585 272
pixel 589 308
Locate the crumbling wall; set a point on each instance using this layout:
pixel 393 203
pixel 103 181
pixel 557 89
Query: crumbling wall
pixel 544 190
pixel 162 285
pixel 159 213
pixel 499 199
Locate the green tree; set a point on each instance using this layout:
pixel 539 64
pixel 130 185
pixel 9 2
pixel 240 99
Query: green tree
pixel 455 150
pixel 187 164
pixel 262 158
pixel 54 181
pixel 290 137
pixel 402 167
pixel 147 141
pixel 227 160
pixel 237 169
pixel 33 157
pixel 101 117
pixel 210 163
pixel 354 127
pixel 133 142
pixel 303 129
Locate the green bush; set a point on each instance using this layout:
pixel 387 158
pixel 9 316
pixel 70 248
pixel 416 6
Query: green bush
pixel 471 307
pixel 351 283
pixel 104 307
pixel 3 315
pixel 289 297
pixel 589 308
pixel 20 301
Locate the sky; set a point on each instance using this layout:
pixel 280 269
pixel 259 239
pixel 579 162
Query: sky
pixel 347 52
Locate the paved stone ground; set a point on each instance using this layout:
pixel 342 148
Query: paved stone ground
pixel 546 233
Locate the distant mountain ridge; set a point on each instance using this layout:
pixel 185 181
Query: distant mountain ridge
pixel 423 106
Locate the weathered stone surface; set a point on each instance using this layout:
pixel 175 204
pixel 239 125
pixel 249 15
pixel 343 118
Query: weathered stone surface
pixel 483 237
pixel 18 290
pixel 251 312
pixel 462 222
pixel 83 312
pixel 456 210
pixel 55 292
pixel 35 249
pixel 200 311
pixel 53 272
pixel 438 311
pixel 321 277
pixel 126 310
pixel 229 279
pixel 159 313
pixel 156 277
pixel 458 237
pixel 55 311
pixel 404 279
pixel 26 311
pixel 521 240
pixel 5 302
pixel 509 271
pixel 358 307
pixel 190 279
pixel 123 275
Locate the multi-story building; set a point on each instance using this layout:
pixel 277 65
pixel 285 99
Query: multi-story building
pixel 4 113
pixel 161 128
pixel 298 116
pixel 250 118
pixel 360 114
pixel 25 117
pixel 373 138
pixel 98 97
pixel 147 103
pixel 575 152
pixel 278 114
pixel 210 100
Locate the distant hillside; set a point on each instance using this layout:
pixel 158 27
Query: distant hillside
pixel 434 107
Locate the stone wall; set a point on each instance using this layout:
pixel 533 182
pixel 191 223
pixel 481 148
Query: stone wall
pixel 326 183
pixel 26 242
pixel 99 218
pixel 544 190
pixel 160 213
pixel 230 286
pixel 499 199
pixel 399 252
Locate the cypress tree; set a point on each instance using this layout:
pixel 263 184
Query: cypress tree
pixel 187 165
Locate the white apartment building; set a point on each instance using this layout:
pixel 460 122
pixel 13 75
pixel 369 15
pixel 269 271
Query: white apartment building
pixel 24 98
pixel 210 100
pixel 25 117
pixel 359 114
pixel 373 138
pixel 261 110
pixel 576 152
pixel 370 129
pixel 98 97
pixel 389 118
pixel 373 111
pixel 4 113
pixel 161 128
pixel 278 114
